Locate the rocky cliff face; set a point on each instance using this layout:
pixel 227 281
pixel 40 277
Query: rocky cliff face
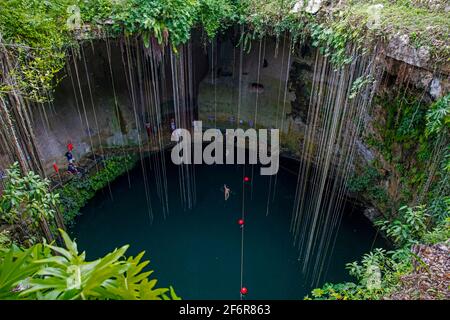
pixel 94 107
pixel 406 70
pixel 275 81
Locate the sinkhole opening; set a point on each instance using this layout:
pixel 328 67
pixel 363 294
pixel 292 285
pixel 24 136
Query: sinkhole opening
pixel 198 251
pixel 121 96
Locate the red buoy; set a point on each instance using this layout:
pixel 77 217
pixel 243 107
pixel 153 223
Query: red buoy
pixel 244 291
pixel 246 179
pixel 241 222
pixel 55 167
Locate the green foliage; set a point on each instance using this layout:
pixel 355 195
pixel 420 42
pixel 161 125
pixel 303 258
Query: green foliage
pixel 167 20
pixel 276 17
pixel 361 183
pixel 135 285
pixel 332 42
pixel 351 22
pixel 5 240
pixel 405 123
pixel 377 275
pixel 424 25
pixel 266 17
pixel 96 11
pixel 215 15
pixel 359 84
pixel 339 291
pixel 411 139
pixel 34 33
pixel 440 233
pixel 409 227
pixel 439 206
pixel 379 272
pixel 74 195
pixel 419 224
pixel 26 199
pixel 368 183
pixel 17 266
pixel 438 116
pixel 407 128
pixel 37 32
pixel 170 21
pixel 48 272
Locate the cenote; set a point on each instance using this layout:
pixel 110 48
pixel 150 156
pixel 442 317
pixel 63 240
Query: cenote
pixel 198 251
pixel 355 96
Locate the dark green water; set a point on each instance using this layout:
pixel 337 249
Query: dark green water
pixel 198 251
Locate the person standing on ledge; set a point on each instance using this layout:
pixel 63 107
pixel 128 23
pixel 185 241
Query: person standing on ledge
pixel 69 157
pixel 70 146
pixel 69 154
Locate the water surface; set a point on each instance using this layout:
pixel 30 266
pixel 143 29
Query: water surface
pixel 199 251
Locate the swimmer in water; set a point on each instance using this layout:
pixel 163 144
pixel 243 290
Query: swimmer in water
pixel 226 191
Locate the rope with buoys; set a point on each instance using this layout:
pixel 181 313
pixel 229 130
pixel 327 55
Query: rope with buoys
pixel 241 223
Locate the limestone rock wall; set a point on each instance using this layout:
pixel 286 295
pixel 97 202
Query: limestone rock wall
pixel 89 117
